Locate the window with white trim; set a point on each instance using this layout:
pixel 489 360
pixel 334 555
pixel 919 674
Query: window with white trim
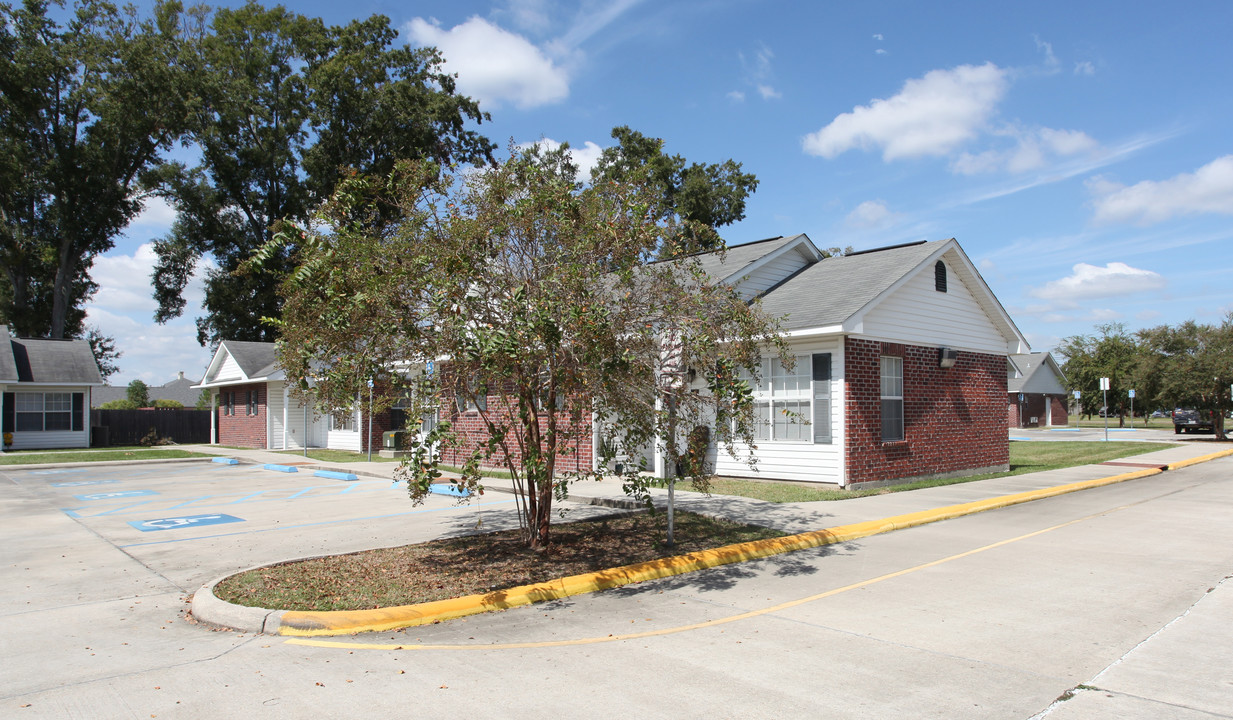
pixel 37 412
pixel 793 405
pixel 343 421
pixel 892 398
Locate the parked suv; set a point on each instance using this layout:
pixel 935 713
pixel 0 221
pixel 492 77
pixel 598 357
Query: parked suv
pixel 1186 420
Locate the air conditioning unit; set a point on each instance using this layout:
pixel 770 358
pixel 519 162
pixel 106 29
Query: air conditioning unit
pixel 947 357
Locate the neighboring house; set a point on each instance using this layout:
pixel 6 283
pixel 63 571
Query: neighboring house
pixel 253 407
pixel 182 390
pixel 1035 391
pixel 45 388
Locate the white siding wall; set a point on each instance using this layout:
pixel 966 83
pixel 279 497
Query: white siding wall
pixel 345 439
pixel 770 274
pixel 55 438
pixel 229 371
pixel 807 462
pixel 274 404
pixel 917 314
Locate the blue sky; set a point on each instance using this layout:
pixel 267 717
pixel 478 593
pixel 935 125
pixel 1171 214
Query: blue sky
pixel 1081 152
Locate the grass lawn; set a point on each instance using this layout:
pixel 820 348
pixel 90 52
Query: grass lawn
pixel 1164 423
pixel 454 567
pixel 1025 457
pixel 68 455
pixel 342 456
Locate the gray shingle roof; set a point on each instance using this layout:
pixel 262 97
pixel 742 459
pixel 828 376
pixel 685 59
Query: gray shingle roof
pixel 180 390
pixel 739 256
pixel 256 359
pixel 1031 364
pixel 50 361
pixel 832 290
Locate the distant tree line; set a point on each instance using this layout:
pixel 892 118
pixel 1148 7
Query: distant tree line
pixel 1189 365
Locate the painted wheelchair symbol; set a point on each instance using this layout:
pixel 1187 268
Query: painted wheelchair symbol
pixel 173 523
pixel 117 494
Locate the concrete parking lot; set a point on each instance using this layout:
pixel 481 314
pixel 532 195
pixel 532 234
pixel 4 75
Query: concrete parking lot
pixel 996 615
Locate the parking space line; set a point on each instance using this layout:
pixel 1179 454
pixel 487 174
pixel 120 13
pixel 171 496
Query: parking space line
pixel 322 522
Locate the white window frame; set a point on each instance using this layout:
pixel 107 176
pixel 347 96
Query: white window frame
pixel 780 390
pixel 24 408
pixel 890 377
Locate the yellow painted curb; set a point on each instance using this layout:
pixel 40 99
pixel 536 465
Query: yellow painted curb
pixel 343 622
pixel 1201 458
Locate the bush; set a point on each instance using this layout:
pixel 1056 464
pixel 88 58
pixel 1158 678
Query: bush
pixel 120 405
pixel 168 404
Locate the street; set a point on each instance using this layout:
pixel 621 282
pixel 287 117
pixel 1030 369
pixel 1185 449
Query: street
pixel 1117 594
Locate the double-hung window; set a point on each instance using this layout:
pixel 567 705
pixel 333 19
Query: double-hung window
pixel 892 398
pixel 793 405
pixel 37 412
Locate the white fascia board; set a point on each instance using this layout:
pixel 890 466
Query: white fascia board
pixel 815 332
pixel 17 386
pixel 235 381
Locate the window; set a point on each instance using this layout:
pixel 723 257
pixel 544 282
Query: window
pixel 473 398
pixel 38 412
pixel 793 405
pixel 252 396
pixel 343 421
pixel 939 276
pixel 227 400
pixel 892 398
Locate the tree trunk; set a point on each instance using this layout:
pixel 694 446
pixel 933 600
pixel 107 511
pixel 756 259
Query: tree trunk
pixel 62 291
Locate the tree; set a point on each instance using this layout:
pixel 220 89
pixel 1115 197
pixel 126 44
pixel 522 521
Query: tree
pixel 1114 355
pixel 289 107
pixel 138 394
pixel 205 399
pixel 1193 367
pixel 103 347
pixel 544 300
pixel 85 110
pixel 124 404
pixel 703 197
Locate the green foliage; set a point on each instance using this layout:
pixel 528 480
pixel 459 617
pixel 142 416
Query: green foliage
pixel 542 295
pixel 139 394
pixel 1191 366
pixel 169 404
pixel 703 197
pixel 124 404
pixel 289 107
pixel 104 350
pixel 1112 354
pixel 205 399
pixel 85 109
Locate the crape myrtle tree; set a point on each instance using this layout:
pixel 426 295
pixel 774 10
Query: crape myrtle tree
pixel 87 106
pixel 538 301
pixel 1111 353
pixel 288 106
pixel 1192 367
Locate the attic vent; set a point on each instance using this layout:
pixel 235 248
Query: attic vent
pixel 939 276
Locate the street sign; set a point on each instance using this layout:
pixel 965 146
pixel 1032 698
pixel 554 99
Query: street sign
pixel 1104 383
pixel 1020 397
pixel 1076 394
pixel 174 523
pixel 1132 393
pixel 431 364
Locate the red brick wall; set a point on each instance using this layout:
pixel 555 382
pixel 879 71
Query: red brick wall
pixel 241 429
pixel 954 418
pixel 471 427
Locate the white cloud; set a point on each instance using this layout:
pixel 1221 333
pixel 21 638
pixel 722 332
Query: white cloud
pixel 124 308
pixel 155 213
pixel 1083 67
pixel 531 15
pixel 1051 62
pixel 1034 149
pixel 879 51
pixel 585 157
pixel 758 73
pixel 871 214
pixel 1207 190
pixel 1088 282
pixel 736 96
pixel 931 115
pixel 494 65
pixel 877 36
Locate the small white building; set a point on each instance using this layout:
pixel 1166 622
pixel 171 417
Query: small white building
pixel 45 388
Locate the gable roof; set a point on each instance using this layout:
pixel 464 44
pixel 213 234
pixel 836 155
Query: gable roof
pixel 47 362
pixel 254 361
pixel 181 390
pixel 1038 372
pixel 737 259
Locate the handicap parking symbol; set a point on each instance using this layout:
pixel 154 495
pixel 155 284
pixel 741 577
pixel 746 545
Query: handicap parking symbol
pixel 117 494
pixel 172 523
pixel 79 483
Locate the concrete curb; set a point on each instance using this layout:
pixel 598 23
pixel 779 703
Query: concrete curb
pixel 208 609
pixel 108 463
pixel 345 622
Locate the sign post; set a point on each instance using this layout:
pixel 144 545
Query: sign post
pixel 1132 409
pixel 1076 410
pixel 1104 396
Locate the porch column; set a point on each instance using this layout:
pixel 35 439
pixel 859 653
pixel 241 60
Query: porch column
pixel 214 417
pixel 286 397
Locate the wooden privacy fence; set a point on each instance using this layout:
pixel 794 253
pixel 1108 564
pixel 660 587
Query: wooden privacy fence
pixel 128 427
